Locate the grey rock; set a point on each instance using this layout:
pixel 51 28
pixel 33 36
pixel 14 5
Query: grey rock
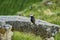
pixel 21 23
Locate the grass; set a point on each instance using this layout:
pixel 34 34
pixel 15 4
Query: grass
pixel 57 37
pixel 25 36
pixel 10 7
pixel 29 36
pixel 54 18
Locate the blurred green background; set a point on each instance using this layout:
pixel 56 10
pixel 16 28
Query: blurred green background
pixel 40 8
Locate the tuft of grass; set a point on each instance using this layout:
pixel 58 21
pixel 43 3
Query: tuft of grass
pixel 57 37
pixel 29 36
pixel 25 36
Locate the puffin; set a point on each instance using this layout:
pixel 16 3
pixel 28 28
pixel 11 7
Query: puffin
pixel 32 19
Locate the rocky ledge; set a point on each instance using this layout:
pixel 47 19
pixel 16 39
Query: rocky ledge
pixel 21 23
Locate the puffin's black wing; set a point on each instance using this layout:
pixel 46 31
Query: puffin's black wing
pixel 32 19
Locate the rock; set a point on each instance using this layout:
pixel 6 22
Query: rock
pixel 5 32
pixel 51 38
pixel 21 23
pixel 7 36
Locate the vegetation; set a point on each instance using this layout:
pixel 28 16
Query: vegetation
pixel 57 37
pixel 10 7
pixel 29 36
pixel 49 13
pixel 25 36
pixel 39 8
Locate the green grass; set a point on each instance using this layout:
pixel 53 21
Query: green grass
pixel 10 7
pixel 25 36
pixel 29 36
pixel 55 18
pixel 57 37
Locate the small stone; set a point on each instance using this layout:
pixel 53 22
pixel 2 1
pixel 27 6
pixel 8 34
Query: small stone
pixel 51 38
